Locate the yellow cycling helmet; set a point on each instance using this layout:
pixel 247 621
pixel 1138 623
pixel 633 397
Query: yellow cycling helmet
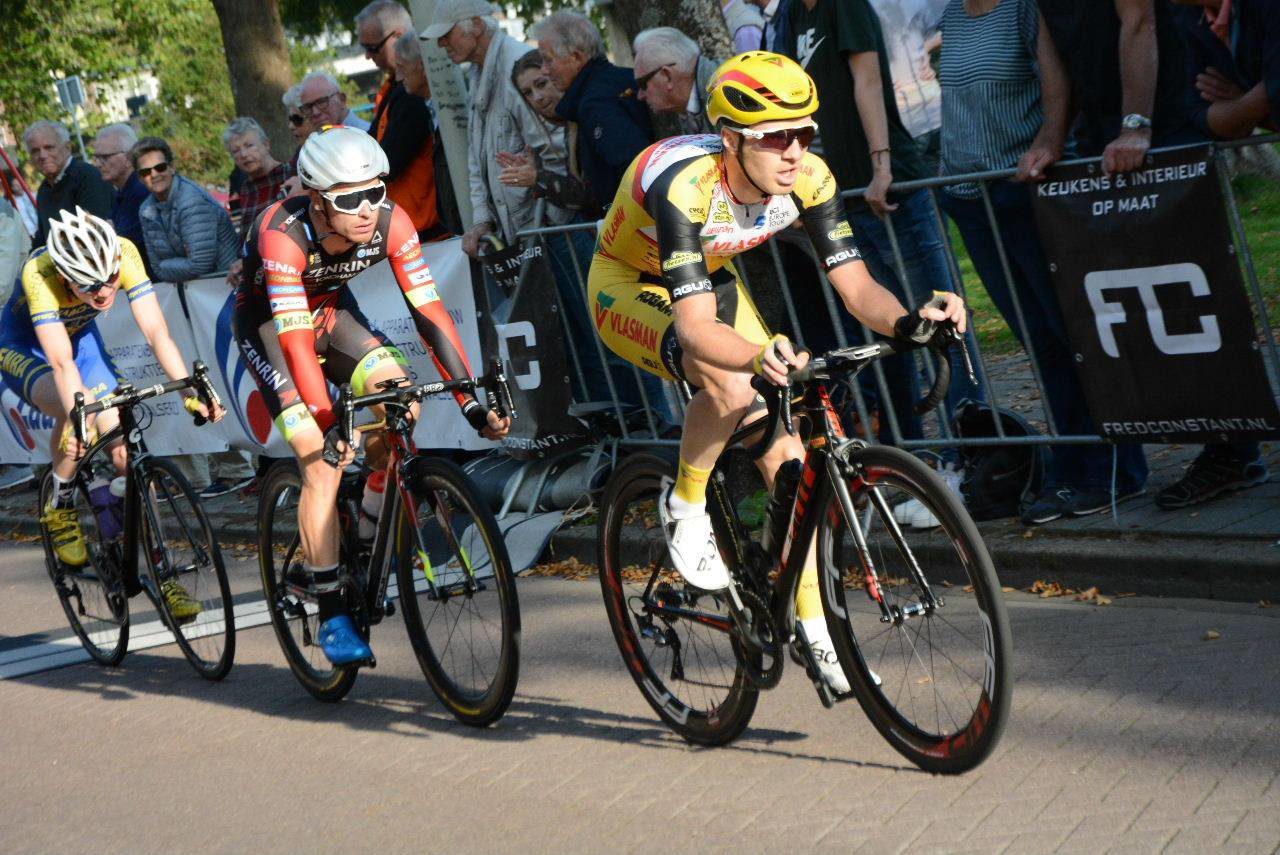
pixel 758 86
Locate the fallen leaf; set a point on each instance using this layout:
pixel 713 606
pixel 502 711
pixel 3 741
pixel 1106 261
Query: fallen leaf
pixel 968 589
pixel 1265 604
pixel 1211 635
pixel 1123 594
pixel 1007 589
pixel 1026 535
pixel 947 584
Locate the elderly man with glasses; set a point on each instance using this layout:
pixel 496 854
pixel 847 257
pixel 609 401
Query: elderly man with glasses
pixel 672 77
pixel 402 124
pixel 324 103
pixel 68 183
pixel 111 155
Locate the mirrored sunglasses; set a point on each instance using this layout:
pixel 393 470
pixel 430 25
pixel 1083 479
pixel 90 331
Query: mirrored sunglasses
pixel 782 140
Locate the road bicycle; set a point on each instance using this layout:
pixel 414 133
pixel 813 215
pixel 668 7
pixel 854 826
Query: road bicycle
pixel 161 520
pixel 453 577
pixel 915 616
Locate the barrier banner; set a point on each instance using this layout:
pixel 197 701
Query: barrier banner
pixel 249 426
pixel 1155 305
pixel 527 333
pixel 171 430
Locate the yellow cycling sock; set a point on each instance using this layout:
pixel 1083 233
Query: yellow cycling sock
pixel 690 492
pixel 808 598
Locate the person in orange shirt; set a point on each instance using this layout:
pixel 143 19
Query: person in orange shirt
pixel 402 124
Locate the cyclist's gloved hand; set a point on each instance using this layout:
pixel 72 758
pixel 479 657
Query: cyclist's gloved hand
pixel 485 421
pixel 338 453
pixel 913 326
pixel 776 359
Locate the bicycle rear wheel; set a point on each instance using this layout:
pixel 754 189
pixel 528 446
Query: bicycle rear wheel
pixel 92 596
pixel 293 617
pixel 686 667
pixel 458 593
pixel 936 681
pixel 179 548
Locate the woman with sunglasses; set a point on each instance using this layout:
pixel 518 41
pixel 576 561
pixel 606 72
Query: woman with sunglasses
pixel 293 308
pixel 667 298
pixel 50 349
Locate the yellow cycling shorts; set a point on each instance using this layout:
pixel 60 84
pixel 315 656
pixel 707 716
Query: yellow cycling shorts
pixel 632 312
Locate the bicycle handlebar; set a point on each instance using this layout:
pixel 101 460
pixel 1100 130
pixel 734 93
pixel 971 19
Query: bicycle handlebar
pixel 126 395
pixel 404 394
pixel 851 360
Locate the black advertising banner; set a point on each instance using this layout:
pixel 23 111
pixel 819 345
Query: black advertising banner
pixel 1155 306
pixel 525 331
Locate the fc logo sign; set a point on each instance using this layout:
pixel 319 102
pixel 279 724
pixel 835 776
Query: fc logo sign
pixel 1108 315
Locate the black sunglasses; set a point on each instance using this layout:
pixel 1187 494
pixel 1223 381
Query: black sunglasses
pixel 296 120
pixel 371 49
pixel 159 169
pixel 351 201
pixel 643 80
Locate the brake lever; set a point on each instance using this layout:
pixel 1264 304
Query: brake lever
pixel 205 389
pixel 506 406
pixel 78 418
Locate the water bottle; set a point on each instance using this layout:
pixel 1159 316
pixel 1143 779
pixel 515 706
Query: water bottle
pixel 781 500
pixel 107 507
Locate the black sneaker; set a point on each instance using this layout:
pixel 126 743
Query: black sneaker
pixel 1211 475
pixel 1085 502
pixel 1050 505
pixel 221 487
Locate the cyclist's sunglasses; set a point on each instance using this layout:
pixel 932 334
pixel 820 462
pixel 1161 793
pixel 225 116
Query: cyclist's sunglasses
pixel 349 202
pixel 94 287
pixel 782 140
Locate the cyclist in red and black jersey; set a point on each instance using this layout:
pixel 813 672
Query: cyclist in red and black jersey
pixel 293 308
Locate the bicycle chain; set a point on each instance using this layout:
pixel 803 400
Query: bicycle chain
pixel 750 653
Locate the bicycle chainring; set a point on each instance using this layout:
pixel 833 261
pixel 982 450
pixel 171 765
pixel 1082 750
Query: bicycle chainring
pixel 760 648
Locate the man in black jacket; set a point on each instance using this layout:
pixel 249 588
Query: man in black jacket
pixel 68 181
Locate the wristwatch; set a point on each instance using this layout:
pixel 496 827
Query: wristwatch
pixel 1135 122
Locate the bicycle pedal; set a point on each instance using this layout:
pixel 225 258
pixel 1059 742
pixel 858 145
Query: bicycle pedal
pixel 825 694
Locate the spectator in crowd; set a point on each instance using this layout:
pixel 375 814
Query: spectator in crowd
pixel 499 120
pixel 299 129
pixel 188 235
pixel 15 243
pixel 671 76
pixel 402 124
pixel 1005 104
pixel 261 176
pixel 841 44
pixel 775 17
pixel 411 72
pixel 111 149
pixel 745 23
pixel 1127 67
pixel 324 103
pixel 1233 54
pixel 68 183
pixel 568 254
pixel 12 188
pixel 610 127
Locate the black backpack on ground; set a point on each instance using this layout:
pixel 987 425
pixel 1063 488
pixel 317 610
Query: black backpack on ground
pixel 999 480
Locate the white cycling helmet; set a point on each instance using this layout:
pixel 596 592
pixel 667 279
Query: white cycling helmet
pixel 337 154
pixel 84 248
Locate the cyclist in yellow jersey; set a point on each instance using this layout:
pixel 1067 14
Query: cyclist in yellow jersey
pixel 666 297
pixel 50 349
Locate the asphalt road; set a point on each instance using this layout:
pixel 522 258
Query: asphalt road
pixel 1130 733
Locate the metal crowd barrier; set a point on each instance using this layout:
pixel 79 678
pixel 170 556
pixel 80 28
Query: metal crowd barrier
pixel 941 434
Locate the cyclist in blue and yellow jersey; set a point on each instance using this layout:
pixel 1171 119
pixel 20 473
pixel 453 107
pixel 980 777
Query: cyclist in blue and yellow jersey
pixel 50 349
pixel 667 298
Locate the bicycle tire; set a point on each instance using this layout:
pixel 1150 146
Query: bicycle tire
pixel 727 703
pixel 278 554
pixel 460 543
pixel 971 620
pixel 178 544
pixel 106 636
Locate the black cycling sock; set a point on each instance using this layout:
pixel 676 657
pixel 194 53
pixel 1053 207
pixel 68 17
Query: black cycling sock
pixel 62 492
pixel 328 588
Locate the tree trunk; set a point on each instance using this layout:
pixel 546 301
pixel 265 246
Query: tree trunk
pixel 700 20
pixel 258 63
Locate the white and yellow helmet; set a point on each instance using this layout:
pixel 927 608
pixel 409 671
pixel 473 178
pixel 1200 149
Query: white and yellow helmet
pixel 84 248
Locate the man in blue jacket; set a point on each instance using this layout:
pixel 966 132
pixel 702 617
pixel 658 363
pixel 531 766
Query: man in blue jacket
pixel 610 127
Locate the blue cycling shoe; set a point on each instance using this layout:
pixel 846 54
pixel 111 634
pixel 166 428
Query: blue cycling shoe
pixel 342 643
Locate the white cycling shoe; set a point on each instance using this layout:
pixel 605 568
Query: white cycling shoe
pixel 693 549
pixel 815 631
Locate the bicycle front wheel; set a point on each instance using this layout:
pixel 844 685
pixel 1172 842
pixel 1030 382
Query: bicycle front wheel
pixel 458 593
pixel 92 596
pixel 281 562
pixel 673 638
pixel 917 619
pixel 186 576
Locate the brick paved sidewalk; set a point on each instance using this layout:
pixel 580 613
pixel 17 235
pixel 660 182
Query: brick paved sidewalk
pixel 1130 734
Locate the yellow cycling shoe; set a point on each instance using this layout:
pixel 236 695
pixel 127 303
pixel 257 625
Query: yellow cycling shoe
pixel 63 525
pixel 180 604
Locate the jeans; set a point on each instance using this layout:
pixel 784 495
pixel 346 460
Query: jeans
pixel 569 255
pixel 1045 339
pixel 924 270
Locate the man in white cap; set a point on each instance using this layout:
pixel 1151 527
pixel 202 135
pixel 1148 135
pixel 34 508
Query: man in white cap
pixel 500 119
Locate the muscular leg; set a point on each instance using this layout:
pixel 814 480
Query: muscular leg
pixel 44 395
